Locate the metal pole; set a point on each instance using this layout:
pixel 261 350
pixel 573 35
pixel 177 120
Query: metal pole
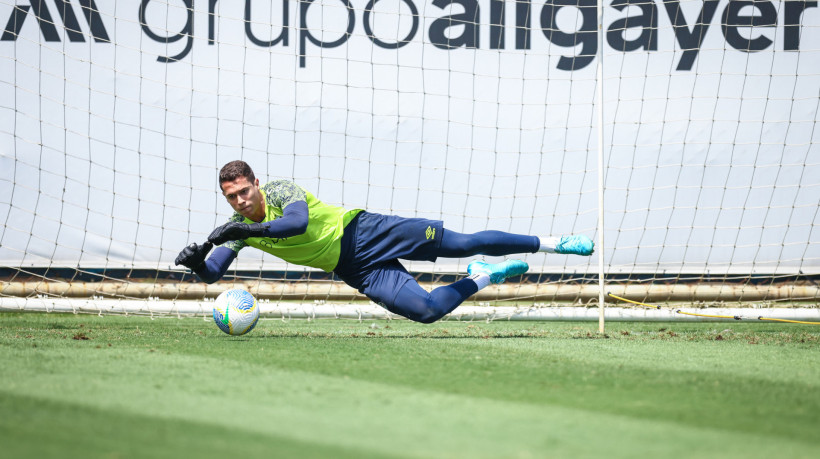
pixel 600 103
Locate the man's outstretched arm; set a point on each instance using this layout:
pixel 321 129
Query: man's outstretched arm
pixel 216 265
pixel 210 270
pixel 293 222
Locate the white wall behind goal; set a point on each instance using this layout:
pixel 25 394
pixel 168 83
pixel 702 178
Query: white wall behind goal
pixel 109 152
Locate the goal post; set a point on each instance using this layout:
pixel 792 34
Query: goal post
pixel 681 133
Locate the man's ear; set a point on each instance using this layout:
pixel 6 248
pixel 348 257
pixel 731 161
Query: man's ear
pixel 256 183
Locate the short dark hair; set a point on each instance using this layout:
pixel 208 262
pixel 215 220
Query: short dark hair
pixel 235 169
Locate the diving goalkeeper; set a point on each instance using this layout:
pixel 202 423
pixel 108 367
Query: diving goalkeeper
pixel 360 247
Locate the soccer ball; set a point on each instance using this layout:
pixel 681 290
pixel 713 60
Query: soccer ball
pixel 236 311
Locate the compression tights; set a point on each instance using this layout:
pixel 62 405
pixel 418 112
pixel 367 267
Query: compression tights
pixel 419 305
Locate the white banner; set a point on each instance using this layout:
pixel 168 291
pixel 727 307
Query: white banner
pixel 116 116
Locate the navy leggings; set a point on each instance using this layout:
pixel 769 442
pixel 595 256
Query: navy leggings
pixel 419 305
pixel 492 243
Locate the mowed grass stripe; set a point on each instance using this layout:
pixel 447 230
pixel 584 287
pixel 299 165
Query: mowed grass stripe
pixel 33 427
pixel 777 363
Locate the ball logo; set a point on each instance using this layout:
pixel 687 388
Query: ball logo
pixel 225 320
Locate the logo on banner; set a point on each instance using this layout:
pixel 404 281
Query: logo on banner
pixel 745 25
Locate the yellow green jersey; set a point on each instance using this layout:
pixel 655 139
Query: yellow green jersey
pixel 318 247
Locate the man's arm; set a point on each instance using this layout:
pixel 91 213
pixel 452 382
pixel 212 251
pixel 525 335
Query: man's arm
pixel 209 271
pixel 216 265
pixel 293 222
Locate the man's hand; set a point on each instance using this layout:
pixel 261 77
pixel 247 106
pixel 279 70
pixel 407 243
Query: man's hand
pixel 193 255
pixel 235 231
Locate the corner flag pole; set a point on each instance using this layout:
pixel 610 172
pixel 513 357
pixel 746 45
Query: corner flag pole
pixel 600 103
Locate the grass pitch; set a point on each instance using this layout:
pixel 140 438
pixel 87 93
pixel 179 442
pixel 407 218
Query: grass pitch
pixel 118 387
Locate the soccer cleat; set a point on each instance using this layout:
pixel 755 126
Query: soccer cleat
pixel 576 244
pixel 498 271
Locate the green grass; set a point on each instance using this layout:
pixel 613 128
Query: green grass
pixel 138 387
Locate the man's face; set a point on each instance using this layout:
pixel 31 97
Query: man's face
pixel 244 197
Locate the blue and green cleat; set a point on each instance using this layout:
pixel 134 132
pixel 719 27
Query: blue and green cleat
pixel 576 244
pixel 498 272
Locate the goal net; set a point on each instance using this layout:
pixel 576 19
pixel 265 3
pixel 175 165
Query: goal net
pixel 115 117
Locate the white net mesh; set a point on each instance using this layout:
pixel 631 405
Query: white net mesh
pixel 116 116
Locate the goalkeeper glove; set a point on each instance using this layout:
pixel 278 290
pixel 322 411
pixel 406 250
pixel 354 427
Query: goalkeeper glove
pixel 194 255
pixel 235 231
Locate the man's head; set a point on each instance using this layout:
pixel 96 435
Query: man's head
pixel 241 188
pixel 235 169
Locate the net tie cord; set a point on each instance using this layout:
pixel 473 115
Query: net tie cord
pixel 678 311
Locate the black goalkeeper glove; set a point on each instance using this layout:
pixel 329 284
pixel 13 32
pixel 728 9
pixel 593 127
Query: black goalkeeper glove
pixel 235 231
pixel 194 255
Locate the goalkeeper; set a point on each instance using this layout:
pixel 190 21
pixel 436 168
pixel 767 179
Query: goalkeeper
pixel 361 248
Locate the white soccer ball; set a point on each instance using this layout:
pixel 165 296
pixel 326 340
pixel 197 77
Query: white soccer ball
pixel 236 311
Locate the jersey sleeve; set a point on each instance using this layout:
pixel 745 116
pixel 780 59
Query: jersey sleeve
pixel 281 193
pixel 236 246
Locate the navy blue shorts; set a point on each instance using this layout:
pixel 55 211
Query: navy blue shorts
pixel 373 243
